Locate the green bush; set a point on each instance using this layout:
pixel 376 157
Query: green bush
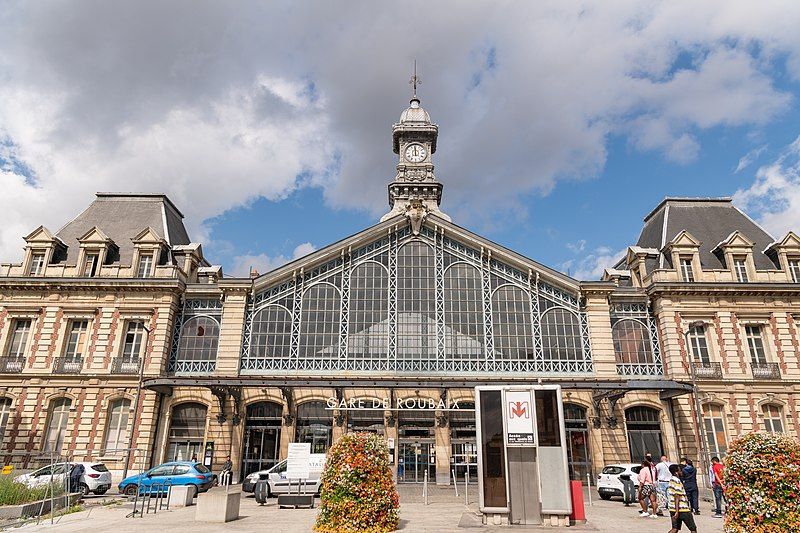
pixel 14 493
pixel 358 493
pixel 762 483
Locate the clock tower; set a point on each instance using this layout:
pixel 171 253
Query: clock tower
pixel 415 191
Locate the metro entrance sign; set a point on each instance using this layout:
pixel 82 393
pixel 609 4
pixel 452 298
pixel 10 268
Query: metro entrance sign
pixel 520 416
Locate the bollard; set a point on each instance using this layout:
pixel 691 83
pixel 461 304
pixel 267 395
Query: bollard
pixel 589 481
pixel 455 482
pixel 466 487
pixel 425 486
pixel 578 515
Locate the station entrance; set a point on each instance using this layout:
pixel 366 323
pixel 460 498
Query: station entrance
pixel 262 437
pixel 416 452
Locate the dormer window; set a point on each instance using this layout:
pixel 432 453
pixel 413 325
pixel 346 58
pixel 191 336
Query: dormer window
pixel 91 265
pixel 687 273
pixel 794 269
pixel 37 264
pixel 145 268
pixel 740 268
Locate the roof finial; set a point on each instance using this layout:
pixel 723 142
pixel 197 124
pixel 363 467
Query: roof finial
pixel 414 81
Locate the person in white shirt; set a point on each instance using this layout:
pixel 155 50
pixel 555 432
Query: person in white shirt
pixel 663 476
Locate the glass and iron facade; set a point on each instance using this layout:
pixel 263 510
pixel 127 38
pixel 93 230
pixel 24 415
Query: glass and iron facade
pixel 407 304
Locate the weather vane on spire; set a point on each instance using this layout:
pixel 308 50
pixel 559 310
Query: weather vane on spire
pixel 414 81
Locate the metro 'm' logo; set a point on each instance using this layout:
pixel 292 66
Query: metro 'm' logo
pixel 518 410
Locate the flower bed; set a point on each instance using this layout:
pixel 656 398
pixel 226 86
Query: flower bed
pixel 358 494
pixel 762 483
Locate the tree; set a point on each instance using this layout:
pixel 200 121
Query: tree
pixel 358 494
pixel 762 483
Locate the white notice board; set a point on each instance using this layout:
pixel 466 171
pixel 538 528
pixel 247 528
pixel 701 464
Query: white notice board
pixel 297 463
pixel 519 412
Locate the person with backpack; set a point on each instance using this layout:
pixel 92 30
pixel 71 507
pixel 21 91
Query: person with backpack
pixel 689 479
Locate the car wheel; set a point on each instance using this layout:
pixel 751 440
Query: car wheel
pixel 130 490
pixel 605 496
pixel 83 488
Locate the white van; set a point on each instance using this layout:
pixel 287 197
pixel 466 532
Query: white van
pixel 278 483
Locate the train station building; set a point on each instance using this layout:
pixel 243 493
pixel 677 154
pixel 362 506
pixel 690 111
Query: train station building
pixel 117 333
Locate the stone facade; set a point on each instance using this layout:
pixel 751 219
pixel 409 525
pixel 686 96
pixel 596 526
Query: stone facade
pixel 71 356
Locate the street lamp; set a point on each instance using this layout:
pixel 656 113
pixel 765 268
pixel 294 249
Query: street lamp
pixel 136 404
pixel 698 412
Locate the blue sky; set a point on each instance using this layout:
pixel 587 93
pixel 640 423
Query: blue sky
pixel 561 123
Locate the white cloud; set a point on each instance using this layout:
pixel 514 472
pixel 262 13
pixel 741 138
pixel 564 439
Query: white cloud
pixel 263 263
pixel 774 196
pixel 591 264
pixel 749 158
pixel 218 106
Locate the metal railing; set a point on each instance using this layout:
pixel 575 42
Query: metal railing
pixel 11 365
pixel 706 370
pixel 155 496
pixel 125 365
pixel 68 365
pixel 766 370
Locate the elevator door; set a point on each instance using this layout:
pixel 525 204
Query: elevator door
pixel 414 458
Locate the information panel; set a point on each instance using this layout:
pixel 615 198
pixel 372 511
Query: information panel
pixel 519 418
pixel 298 460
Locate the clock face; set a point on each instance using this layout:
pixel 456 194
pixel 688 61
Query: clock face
pixel 415 153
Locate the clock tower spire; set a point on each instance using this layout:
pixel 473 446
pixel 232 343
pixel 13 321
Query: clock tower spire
pixel 415 192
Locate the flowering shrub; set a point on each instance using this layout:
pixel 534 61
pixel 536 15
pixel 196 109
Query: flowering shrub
pixel 358 493
pixel 762 483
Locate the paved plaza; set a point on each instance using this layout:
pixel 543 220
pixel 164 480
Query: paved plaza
pixel 443 514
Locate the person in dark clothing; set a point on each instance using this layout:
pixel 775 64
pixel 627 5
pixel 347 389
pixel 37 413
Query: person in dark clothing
pixel 75 475
pixel 690 484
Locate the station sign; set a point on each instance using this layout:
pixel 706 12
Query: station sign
pixel 385 404
pixel 520 418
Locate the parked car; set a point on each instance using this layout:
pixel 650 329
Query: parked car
pixel 278 483
pixel 608 482
pixel 96 478
pixel 164 475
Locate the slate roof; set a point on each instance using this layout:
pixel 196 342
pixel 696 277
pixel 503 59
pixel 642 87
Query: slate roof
pixel 122 216
pixel 710 221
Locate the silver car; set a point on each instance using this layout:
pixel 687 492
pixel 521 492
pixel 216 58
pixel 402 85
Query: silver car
pixel 96 478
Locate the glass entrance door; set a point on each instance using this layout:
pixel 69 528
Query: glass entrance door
pixel 260 448
pixel 465 459
pixel 414 457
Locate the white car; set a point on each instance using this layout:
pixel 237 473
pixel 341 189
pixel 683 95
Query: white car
pixel 278 483
pixel 96 478
pixel 609 483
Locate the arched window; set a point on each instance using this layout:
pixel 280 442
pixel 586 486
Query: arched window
pixel 714 421
pixel 272 333
pixel 58 416
pixel 632 343
pixel 511 320
pixel 117 426
pixel 319 322
pixel 197 351
pixel 369 312
pixel 644 432
pixel 416 302
pixel 463 312
pixel 314 425
pixel 773 418
pixel 187 430
pixel 5 413
pixel 561 335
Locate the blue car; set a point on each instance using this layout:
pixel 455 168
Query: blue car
pixel 164 475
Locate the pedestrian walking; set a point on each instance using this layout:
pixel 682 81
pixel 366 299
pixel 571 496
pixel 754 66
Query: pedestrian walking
pixel 677 502
pixel 690 484
pixel 718 485
pixel 647 490
pixel 662 480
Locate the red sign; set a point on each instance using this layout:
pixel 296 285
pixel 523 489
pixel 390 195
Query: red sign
pixel 518 410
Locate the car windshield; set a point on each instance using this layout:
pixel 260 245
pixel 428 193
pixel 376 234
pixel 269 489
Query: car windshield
pixel 201 468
